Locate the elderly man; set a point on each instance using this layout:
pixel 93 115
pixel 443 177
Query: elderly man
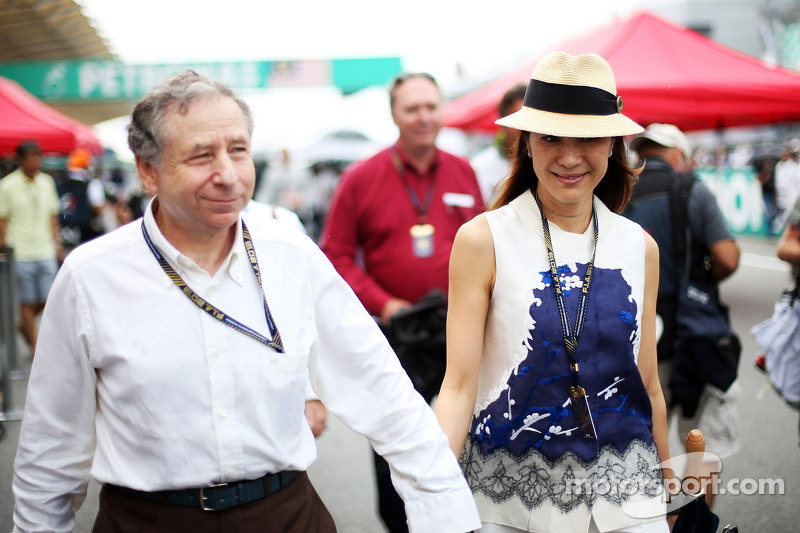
pixel 664 149
pixel 175 354
pixel 389 233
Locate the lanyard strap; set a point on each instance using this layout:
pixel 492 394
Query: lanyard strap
pixel 212 310
pixel 422 210
pixel 571 336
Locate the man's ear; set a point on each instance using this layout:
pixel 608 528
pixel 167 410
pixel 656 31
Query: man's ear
pixel 678 160
pixel 147 174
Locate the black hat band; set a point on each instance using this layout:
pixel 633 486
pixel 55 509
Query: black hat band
pixel 571 99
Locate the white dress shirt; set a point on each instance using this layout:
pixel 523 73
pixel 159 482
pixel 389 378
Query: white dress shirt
pixel 490 168
pixel 135 385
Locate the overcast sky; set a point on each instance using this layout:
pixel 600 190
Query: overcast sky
pixel 483 37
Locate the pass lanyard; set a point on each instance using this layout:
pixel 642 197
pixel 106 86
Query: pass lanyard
pixel 571 336
pixel 422 210
pixel 209 308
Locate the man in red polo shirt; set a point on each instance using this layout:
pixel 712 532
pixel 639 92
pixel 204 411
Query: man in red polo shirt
pixel 392 222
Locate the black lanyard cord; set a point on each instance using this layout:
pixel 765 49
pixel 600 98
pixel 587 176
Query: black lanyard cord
pixel 421 209
pixel 212 310
pixel 571 336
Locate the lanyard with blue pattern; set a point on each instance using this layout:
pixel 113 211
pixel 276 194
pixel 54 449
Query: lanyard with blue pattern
pixel 209 308
pixel 576 392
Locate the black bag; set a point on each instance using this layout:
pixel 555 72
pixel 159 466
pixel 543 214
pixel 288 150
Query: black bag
pixel 417 335
pixel 706 348
pixel 696 517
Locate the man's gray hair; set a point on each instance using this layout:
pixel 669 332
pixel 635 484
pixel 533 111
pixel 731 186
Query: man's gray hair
pixel 146 131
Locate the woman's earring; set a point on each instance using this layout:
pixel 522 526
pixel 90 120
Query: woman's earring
pixel 529 154
pixel 611 153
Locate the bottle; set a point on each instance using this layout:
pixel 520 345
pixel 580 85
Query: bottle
pixel 695 449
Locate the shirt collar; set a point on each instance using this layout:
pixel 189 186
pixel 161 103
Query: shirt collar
pixel 232 266
pixel 437 159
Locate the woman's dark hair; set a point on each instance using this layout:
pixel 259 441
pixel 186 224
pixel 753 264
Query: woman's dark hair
pixel 614 190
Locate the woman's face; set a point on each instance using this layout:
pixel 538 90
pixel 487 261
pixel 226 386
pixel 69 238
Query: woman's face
pixel 568 169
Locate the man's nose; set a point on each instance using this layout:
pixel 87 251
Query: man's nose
pixel 224 169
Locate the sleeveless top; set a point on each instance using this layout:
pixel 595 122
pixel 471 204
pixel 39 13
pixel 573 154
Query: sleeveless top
pixel 525 461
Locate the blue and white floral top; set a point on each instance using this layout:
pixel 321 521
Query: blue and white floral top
pixel 524 459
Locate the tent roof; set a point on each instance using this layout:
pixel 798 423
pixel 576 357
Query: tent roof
pixel 26 117
pixel 664 73
pixel 55 29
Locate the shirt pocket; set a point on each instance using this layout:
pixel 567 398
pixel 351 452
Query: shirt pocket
pixel 286 376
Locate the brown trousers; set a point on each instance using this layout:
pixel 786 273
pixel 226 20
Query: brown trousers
pixel 297 508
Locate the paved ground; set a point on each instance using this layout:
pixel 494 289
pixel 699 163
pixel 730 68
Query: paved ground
pixel 769 433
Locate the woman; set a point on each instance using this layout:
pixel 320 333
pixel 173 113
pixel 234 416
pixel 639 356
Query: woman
pixel 558 436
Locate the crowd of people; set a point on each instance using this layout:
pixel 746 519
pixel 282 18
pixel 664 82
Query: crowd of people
pixel 43 218
pixel 554 258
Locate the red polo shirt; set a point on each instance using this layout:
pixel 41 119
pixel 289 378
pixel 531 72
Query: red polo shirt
pixel 367 230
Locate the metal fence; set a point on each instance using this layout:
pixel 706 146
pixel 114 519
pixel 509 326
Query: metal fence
pixel 8 338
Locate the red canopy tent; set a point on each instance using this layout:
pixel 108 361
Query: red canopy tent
pixel 664 73
pixel 23 116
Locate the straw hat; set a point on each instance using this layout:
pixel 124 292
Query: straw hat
pixel 572 96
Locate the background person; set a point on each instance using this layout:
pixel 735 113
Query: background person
pixel 176 406
pixel 29 224
pixel 665 152
pixel 787 180
pixel 492 164
pixel 788 250
pixel 764 166
pixel 553 268
pixel 391 226
pixel 81 200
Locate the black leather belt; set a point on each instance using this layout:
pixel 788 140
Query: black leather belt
pixel 218 497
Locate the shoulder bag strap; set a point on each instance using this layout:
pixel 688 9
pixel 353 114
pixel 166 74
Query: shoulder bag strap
pixel 678 200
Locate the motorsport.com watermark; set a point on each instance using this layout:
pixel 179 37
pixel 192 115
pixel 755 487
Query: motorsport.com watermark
pixel 677 491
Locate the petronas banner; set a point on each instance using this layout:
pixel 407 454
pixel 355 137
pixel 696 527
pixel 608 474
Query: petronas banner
pixel 101 80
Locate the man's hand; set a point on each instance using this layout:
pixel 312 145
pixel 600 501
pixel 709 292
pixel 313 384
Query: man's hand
pixel 316 415
pixel 392 307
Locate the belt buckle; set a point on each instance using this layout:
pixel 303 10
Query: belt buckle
pixel 203 496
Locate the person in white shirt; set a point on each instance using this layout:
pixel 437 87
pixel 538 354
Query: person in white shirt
pixel 316 414
pixel 145 382
pixel 787 181
pixel 492 164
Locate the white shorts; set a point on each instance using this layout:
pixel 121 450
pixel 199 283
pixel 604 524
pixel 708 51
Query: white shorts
pixel 656 526
pixel 718 418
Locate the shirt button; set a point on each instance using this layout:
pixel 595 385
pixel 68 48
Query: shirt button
pixel 224 413
pixel 217 352
pixel 211 291
pixel 232 472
